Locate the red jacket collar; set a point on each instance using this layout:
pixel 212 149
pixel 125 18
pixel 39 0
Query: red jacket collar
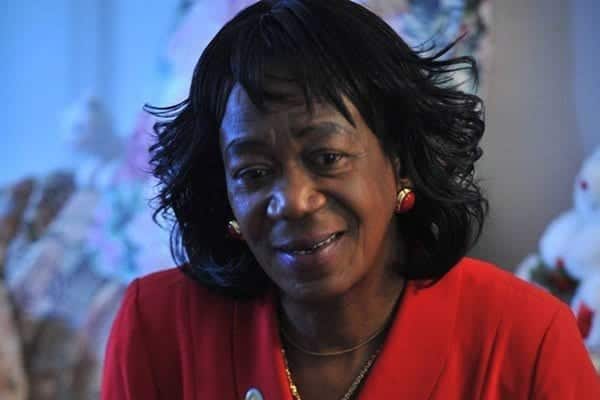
pixel 412 359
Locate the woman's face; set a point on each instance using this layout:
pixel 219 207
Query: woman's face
pixel 314 195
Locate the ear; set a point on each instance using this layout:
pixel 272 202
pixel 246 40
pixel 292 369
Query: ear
pixel 402 180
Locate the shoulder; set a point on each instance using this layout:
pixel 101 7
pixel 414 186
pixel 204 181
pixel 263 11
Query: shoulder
pixel 488 287
pixel 154 339
pixel 170 293
pixel 515 335
pixel 503 313
pixel 162 280
pixel 157 306
pixel 500 314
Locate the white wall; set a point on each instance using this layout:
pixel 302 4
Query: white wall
pixel 52 52
pixel 585 16
pixel 531 144
pixel 541 118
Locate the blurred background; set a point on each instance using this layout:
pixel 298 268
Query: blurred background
pixel 75 225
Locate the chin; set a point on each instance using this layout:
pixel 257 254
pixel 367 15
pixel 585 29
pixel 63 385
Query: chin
pixel 316 290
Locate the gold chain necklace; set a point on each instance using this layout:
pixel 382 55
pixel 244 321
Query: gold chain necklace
pixel 333 353
pixel 353 386
pixel 363 371
pixel 368 340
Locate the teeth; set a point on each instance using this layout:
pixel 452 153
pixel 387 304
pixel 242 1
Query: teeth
pixel 316 246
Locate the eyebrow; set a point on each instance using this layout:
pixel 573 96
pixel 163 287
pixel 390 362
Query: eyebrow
pixel 242 144
pixel 322 128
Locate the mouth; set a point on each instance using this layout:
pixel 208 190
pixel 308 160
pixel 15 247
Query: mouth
pixel 307 248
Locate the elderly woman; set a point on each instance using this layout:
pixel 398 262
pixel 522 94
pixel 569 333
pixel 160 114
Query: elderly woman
pixel 320 176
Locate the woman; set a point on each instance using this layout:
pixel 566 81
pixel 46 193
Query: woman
pixel 320 175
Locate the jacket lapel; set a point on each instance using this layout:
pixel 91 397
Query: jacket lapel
pixel 257 358
pixel 418 343
pixel 412 359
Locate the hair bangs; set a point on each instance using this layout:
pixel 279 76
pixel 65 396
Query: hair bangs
pixel 280 56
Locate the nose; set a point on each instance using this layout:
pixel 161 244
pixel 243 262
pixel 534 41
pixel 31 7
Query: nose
pixel 295 196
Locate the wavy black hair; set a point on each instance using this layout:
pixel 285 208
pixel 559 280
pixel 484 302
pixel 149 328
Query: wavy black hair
pixel 331 49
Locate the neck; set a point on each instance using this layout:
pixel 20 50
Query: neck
pixel 345 321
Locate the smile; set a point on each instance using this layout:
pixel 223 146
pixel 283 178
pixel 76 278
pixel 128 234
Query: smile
pixel 316 247
pixel 306 246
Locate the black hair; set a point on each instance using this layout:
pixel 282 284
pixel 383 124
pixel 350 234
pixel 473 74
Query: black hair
pixel 332 49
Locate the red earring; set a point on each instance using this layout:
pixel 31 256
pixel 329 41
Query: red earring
pixel 233 228
pixel 405 201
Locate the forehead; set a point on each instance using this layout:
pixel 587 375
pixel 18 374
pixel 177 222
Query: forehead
pixel 284 97
pixel 285 109
pixel 281 99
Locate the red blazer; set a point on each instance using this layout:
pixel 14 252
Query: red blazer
pixel 479 333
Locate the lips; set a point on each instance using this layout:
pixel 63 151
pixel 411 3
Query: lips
pixel 308 245
pixel 311 257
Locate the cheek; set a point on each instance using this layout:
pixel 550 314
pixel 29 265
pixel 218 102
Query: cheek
pixel 374 194
pixel 249 211
pixel 367 205
pixel 374 203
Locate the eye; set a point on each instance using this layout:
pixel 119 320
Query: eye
pixel 252 174
pixel 329 161
pixel 328 158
